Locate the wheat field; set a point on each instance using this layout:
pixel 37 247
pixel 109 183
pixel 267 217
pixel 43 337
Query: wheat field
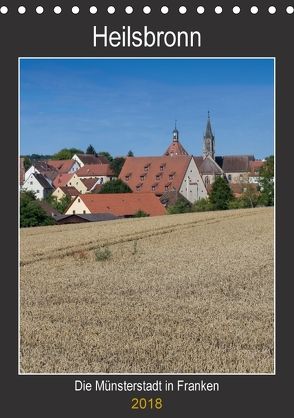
pixel 191 293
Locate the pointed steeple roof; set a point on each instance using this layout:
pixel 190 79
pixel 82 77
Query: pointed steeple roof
pixel 175 148
pixel 208 132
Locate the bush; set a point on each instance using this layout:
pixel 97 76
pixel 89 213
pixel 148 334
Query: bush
pixel 182 205
pixel 140 214
pixel 202 205
pixel 61 205
pixel 102 254
pixel 115 186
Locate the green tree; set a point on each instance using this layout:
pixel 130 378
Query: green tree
pixel 115 186
pixel 130 153
pixel 27 163
pixel 31 214
pixel 182 205
pixel 90 150
pixel 33 157
pixel 117 165
pixel 250 197
pixel 107 155
pixel 266 182
pixel 221 194
pixel 66 153
pixel 61 205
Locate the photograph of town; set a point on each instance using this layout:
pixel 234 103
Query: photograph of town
pixel 146 216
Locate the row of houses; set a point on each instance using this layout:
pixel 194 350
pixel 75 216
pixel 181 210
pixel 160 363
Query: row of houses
pixel 82 174
pixel 155 181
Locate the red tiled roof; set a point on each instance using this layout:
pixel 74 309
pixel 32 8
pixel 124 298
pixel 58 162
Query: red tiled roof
pixel 92 159
pixel 63 166
pixel 70 191
pixel 175 148
pixel 61 180
pixel 95 170
pixel 89 183
pixel 97 188
pixel 123 204
pixel 255 166
pixel 134 167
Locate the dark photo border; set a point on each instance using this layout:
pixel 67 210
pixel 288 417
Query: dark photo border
pixel 225 35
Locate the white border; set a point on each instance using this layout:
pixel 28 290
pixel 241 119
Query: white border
pixel 147 374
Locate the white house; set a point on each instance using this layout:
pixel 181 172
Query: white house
pixel 193 187
pixel 39 185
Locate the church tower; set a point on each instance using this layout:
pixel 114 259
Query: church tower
pixel 175 148
pixel 208 141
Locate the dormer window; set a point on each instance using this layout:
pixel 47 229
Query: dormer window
pixel 162 166
pixel 146 167
pixel 128 176
pixel 142 177
pixel 166 187
pixel 158 176
pixel 171 176
pixel 153 187
pixel 139 187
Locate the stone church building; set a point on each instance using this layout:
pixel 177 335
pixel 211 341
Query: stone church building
pixel 179 173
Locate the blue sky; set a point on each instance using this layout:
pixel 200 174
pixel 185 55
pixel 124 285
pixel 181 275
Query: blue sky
pixel 131 104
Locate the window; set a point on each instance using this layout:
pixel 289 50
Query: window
pixel 153 188
pixel 79 199
pixel 162 167
pixel 84 211
pixel 229 177
pixel 165 187
pixel 37 191
pixel 171 176
pixel 31 182
pixel 142 178
pixel 73 212
pixel 127 178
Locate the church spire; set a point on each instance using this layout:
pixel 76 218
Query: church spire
pixel 175 133
pixel 208 140
pixel 208 133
